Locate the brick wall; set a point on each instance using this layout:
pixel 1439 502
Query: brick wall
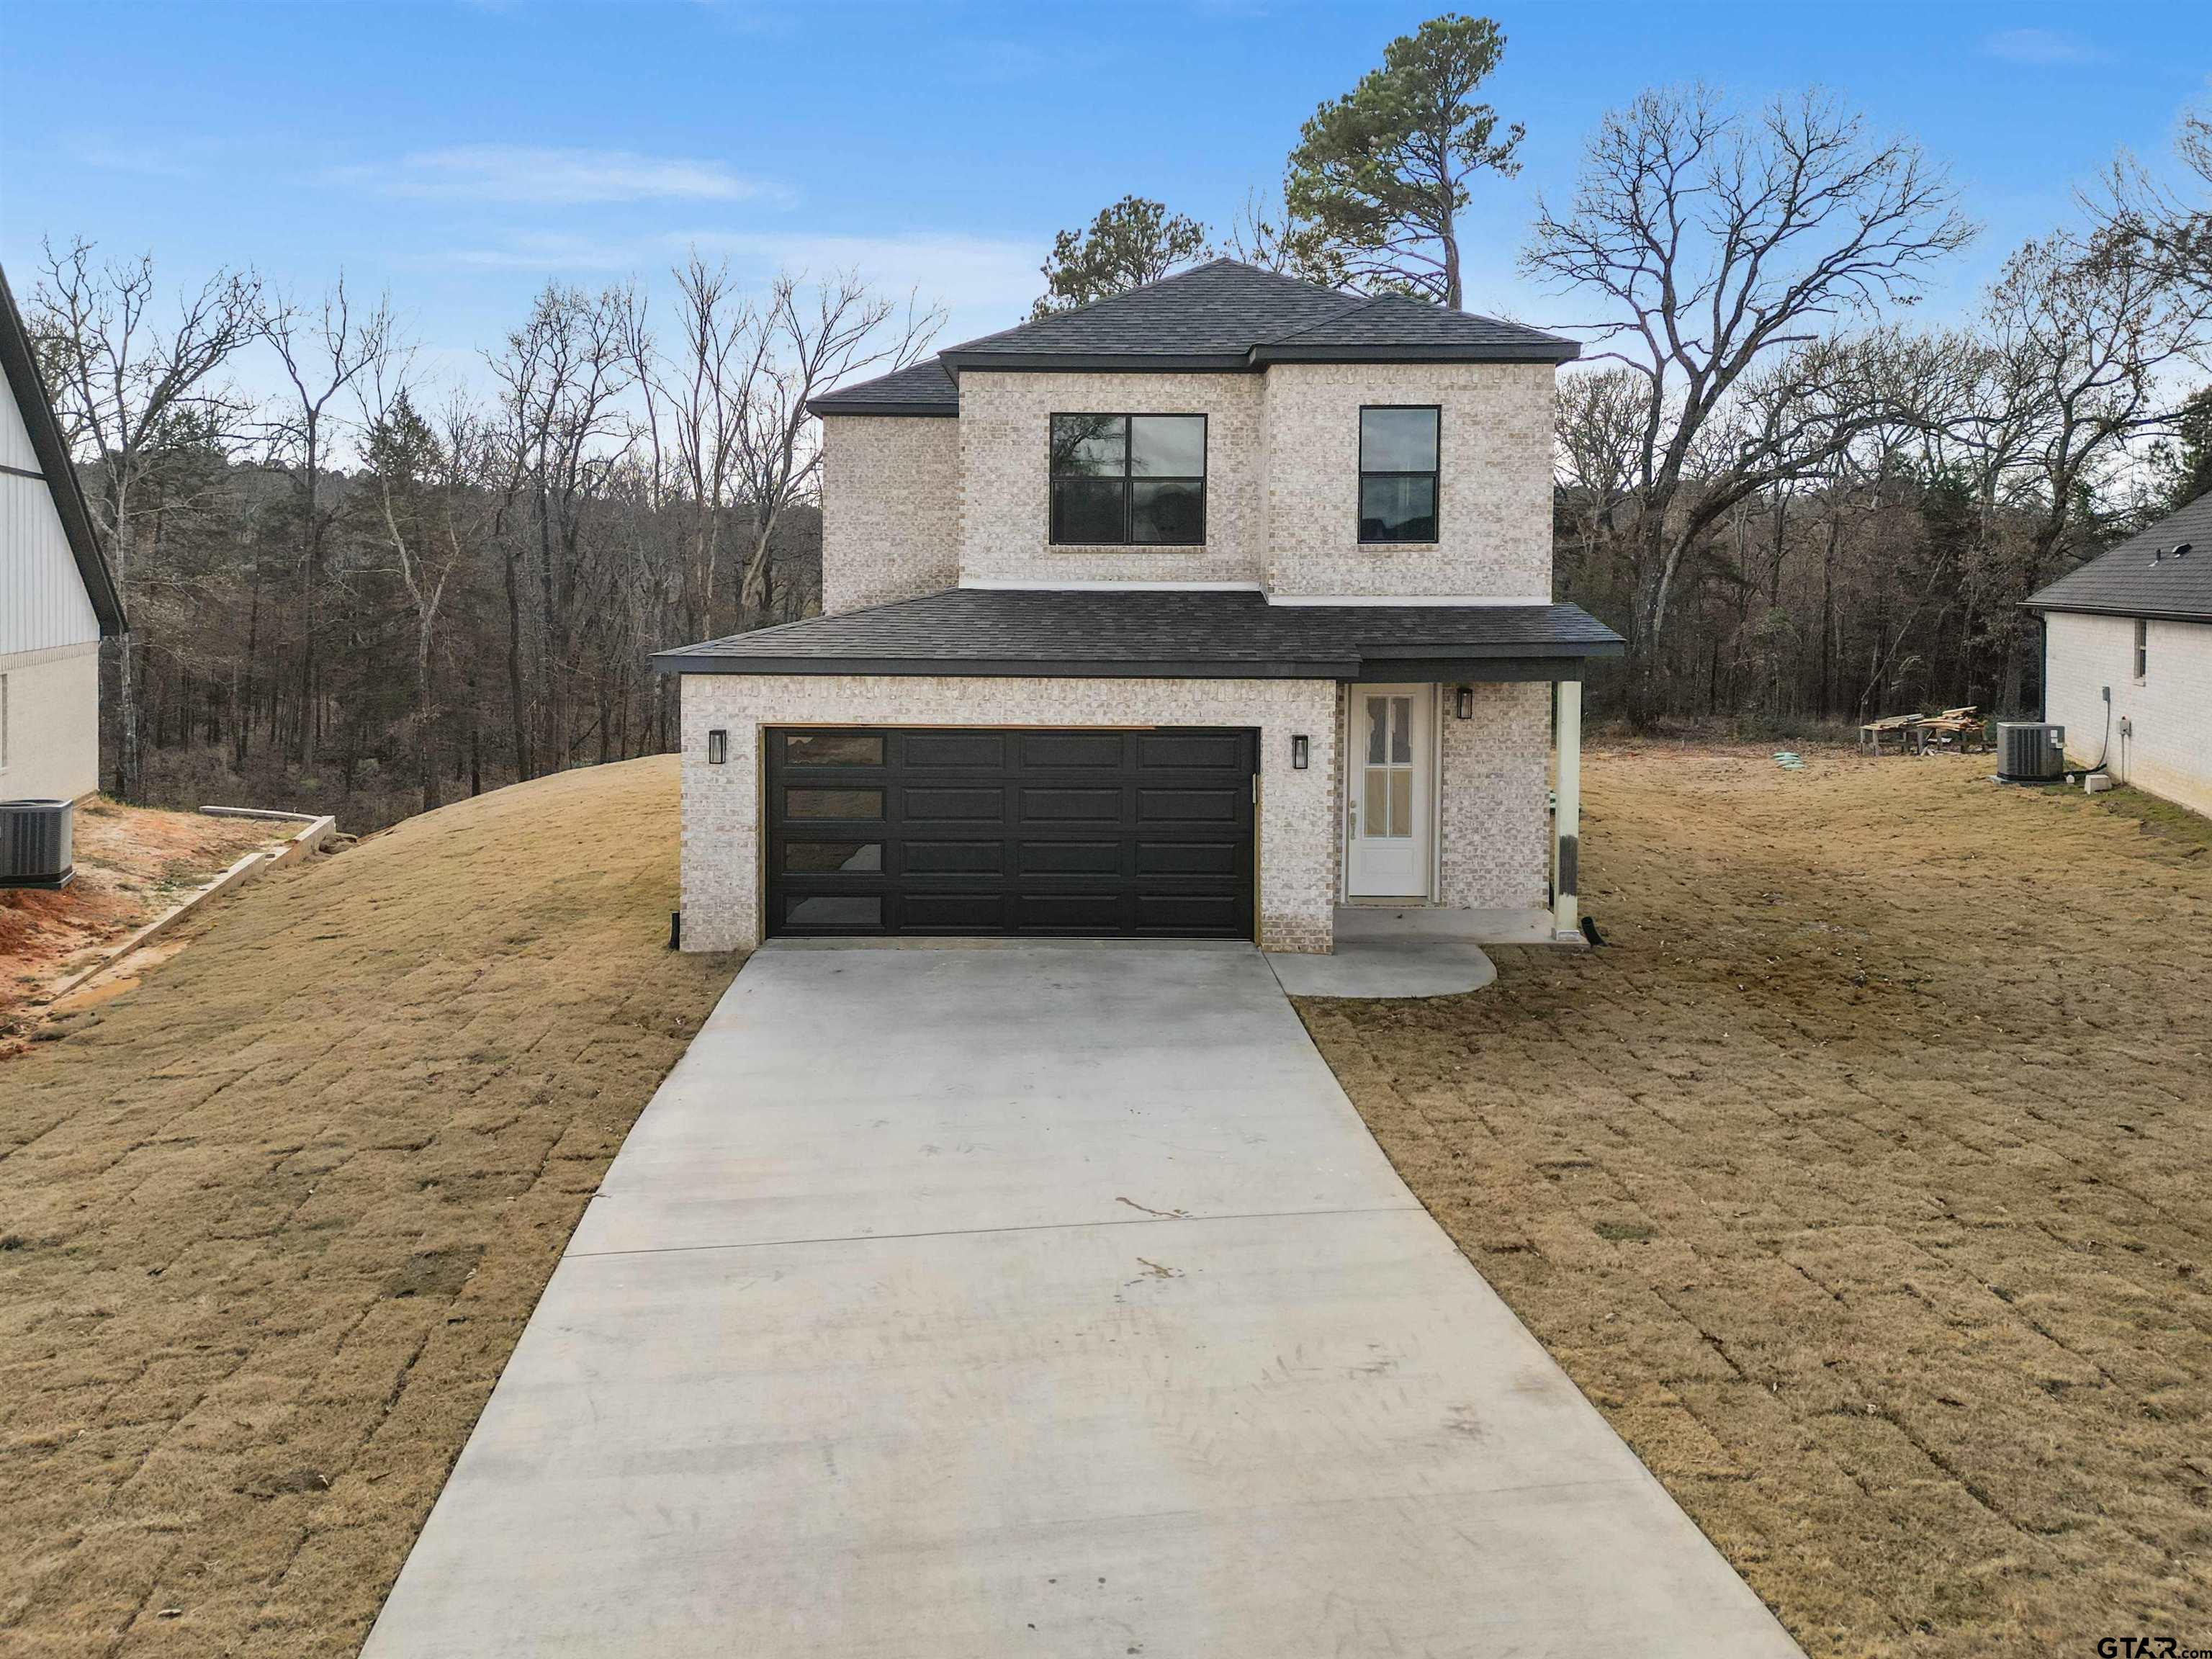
pixel 1496 852
pixel 1298 814
pixel 891 508
pixel 2170 751
pixel 1005 424
pixel 1494 511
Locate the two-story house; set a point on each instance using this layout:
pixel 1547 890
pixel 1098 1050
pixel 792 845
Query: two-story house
pixel 1204 611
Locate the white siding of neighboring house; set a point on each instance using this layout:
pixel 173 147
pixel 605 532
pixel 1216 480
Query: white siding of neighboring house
pixel 2168 749
pixel 49 636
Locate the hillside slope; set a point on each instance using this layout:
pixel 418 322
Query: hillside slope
pixel 270 1223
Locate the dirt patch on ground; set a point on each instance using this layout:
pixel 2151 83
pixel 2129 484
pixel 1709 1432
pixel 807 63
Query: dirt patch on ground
pixel 132 863
pixel 1861 1181
pixel 270 1223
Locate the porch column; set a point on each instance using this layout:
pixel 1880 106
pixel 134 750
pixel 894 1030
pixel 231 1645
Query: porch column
pixel 1567 817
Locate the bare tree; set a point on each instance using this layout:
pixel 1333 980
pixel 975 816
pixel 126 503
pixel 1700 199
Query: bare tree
pixel 126 384
pixel 801 343
pixel 2079 339
pixel 2158 227
pixel 1719 245
pixel 324 351
pixel 429 509
pixel 694 419
pixel 560 436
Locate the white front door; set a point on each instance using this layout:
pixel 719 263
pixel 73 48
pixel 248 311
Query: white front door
pixel 1388 787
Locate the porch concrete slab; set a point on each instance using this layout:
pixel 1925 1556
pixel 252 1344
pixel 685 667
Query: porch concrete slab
pixel 1414 965
pixel 1292 1420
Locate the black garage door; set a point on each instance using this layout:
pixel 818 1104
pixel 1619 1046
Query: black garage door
pixel 1081 833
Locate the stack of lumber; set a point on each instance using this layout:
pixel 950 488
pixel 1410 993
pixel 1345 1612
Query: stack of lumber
pixel 1959 729
pixel 1955 728
pixel 1873 733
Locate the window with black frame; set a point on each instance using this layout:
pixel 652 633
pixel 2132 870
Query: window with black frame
pixel 1136 480
pixel 1398 473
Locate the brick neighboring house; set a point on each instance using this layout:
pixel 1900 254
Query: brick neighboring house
pixel 1207 610
pixel 57 600
pixel 2127 657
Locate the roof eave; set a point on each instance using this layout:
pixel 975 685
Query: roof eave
pixel 1533 352
pixel 1099 362
pixel 2082 608
pixel 823 406
pixel 1017 668
pixel 28 387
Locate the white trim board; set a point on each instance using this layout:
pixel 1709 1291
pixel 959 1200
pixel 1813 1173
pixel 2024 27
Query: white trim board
pixel 1396 601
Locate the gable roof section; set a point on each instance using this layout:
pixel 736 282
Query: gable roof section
pixel 1224 315
pixel 2127 580
pixel 29 387
pixel 1190 633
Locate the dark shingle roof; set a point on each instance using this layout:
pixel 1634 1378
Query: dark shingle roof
pixel 21 368
pixel 1219 310
pixel 924 389
pixel 1223 315
pixel 2128 581
pixel 1198 633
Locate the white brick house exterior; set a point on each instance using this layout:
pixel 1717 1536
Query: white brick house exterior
pixel 1367 595
pixel 2127 663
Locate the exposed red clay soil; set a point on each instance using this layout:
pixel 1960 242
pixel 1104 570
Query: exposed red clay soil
pixel 132 864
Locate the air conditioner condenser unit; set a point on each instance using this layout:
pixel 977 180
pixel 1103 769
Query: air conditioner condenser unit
pixel 2030 751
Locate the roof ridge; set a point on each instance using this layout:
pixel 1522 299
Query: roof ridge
pixel 1356 304
pixel 1092 305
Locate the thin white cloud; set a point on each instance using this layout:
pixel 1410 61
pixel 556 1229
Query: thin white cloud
pixel 167 158
pixel 983 282
pixel 2039 48
pixel 963 272
pixel 548 177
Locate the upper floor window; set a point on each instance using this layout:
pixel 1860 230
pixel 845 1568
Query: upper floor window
pixel 1398 473
pixel 2142 650
pixel 1138 479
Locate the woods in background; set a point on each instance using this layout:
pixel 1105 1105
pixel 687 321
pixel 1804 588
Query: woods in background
pixel 1795 506
pixel 375 586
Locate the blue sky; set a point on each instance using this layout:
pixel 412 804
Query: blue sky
pixel 460 155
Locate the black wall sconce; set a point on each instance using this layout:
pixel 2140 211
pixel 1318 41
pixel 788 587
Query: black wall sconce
pixel 718 747
pixel 1301 747
pixel 1466 702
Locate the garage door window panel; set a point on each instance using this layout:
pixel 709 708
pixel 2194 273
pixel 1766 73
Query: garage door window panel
pixel 1073 833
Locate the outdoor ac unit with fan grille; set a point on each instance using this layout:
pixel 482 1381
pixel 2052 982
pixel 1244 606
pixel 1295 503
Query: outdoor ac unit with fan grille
pixel 2030 752
pixel 34 843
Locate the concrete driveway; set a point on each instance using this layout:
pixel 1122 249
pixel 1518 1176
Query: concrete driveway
pixel 1040 1300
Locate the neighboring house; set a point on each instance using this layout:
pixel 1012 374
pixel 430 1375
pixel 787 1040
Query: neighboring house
pixel 1203 611
pixel 57 600
pixel 2127 657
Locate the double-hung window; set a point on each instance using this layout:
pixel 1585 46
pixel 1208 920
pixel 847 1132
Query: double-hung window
pixel 2142 650
pixel 1398 447
pixel 1135 479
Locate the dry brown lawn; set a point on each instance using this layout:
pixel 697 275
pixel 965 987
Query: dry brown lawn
pixel 272 1222
pixel 1862 1182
